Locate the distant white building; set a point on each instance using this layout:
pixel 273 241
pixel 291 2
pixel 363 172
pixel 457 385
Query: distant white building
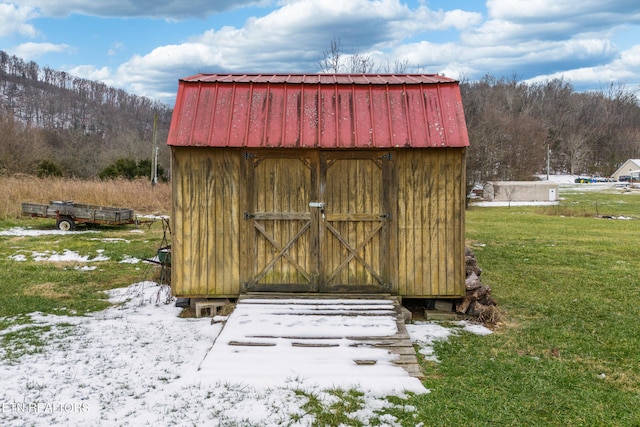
pixel 628 168
pixel 521 191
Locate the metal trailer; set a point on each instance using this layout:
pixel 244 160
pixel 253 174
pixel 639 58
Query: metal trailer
pixel 68 214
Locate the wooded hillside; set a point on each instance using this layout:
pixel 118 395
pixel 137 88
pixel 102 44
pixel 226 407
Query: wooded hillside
pixel 511 125
pixel 50 119
pixel 80 126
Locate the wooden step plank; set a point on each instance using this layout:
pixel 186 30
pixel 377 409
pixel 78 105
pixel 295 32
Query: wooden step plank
pixel 313 344
pixel 251 344
pixel 405 359
pixel 414 371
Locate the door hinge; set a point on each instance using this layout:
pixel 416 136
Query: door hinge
pixel 386 216
pixel 387 156
pixel 248 155
pixel 248 216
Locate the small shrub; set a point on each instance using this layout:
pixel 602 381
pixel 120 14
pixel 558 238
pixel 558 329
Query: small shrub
pixel 130 169
pixel 46 168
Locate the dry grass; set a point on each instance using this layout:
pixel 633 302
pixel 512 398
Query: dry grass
pixel 138 195
pixel 46 290
pixel 490 315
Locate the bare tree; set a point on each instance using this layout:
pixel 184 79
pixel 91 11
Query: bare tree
pixel 398 66
pixel 332 57
pixel 334 60
pixel 577 152
pixel 360 63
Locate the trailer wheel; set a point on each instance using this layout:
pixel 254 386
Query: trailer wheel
pixel 65 224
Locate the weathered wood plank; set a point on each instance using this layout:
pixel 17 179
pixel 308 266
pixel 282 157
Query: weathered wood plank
pixel 251 344
pixel 205 230
pixel 430 202
pixel 246 196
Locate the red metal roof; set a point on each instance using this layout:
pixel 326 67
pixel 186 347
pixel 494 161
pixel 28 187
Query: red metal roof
pixel 318 111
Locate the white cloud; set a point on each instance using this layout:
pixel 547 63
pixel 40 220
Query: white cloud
pixel 92 73
pixel 115 48
pixel 13 20
pixel 557 10
pixel 623 70
pixel 518 20
pixel 169 9
pixel 31 51
pixel 291 39
pixel 522 38
pixel 423 19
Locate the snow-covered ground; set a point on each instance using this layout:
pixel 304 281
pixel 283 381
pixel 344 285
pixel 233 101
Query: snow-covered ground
pixel 139 363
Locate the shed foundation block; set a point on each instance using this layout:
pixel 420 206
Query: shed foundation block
pixel 208 308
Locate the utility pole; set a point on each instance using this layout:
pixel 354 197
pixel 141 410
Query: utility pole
pixel 154 153
pixel 548 160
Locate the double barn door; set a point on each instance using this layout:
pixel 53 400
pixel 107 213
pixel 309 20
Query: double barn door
pixel 317 221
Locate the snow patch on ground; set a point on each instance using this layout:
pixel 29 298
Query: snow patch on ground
pixel 65 256
pixel 69 256
pixel 112 240
pixel 425 335
pixel 507 204
pixel 29 232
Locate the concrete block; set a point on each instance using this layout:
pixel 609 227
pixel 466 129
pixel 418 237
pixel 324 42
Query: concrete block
pixel 440 315
pixel 406 314
pixel 444 305
pixel 209 308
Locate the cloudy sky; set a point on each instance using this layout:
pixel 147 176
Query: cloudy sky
pixel 145 46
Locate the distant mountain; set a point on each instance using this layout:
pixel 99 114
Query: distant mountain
pixel 79 125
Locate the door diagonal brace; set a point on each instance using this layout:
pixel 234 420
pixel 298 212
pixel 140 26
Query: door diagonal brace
pixel 282 252
pixel 353 252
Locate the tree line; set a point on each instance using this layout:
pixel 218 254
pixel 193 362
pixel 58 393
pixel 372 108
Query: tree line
pixel 517 129
pixel 53 122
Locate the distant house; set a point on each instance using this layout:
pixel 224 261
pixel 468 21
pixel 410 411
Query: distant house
pixel 521 191
pixel 318 183
pixel 628 168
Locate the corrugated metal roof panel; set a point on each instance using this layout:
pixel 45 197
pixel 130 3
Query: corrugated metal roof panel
pixel 320 78
pixel 318 111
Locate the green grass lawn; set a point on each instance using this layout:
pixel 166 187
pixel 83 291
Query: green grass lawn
pixel 64 287
pixel 566 281
pixel 568 351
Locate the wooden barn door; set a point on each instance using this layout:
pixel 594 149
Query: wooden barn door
pixel 354 231
pixel 317 222
pixel 283 238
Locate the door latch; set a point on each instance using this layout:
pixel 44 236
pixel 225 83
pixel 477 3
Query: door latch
pixel 319 205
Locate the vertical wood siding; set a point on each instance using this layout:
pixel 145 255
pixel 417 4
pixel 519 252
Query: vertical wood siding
pixel 430 221
pixel 283 189
pixel 205 222
pixel 354 208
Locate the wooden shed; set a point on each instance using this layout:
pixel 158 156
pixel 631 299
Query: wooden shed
pixel 318 183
